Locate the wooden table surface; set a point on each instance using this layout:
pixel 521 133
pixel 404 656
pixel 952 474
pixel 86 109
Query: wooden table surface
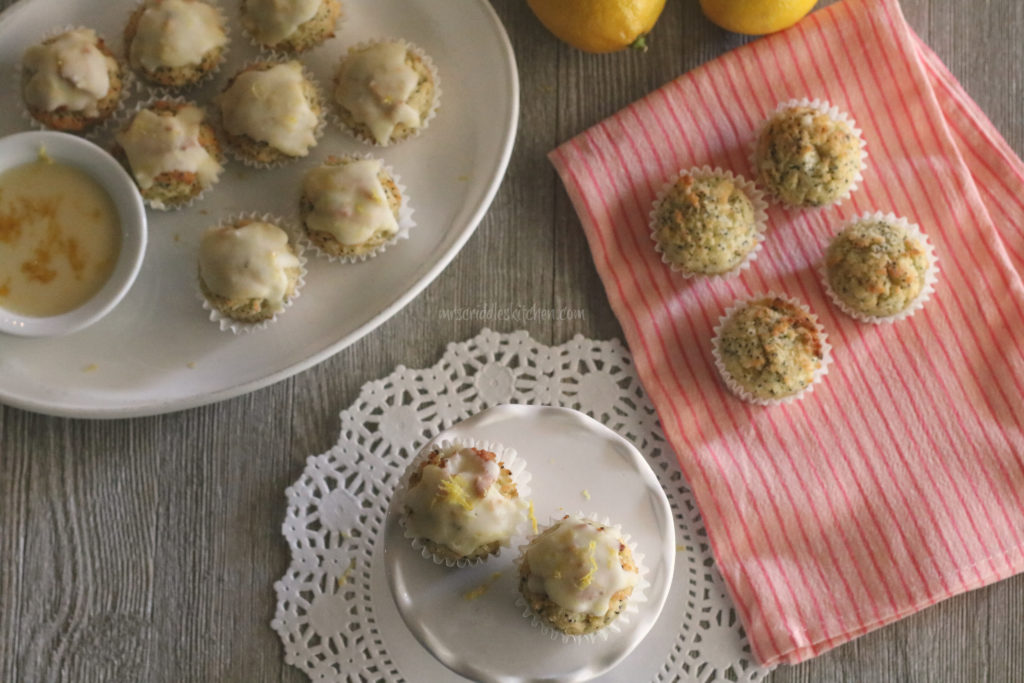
pixel 146 549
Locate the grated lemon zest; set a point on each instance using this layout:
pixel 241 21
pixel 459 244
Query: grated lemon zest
pixel 347 576
pixel 533 518
pixel 455 490
pixel 589 576
pixel 478 592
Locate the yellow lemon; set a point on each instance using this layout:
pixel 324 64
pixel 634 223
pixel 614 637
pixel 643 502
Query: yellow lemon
pixel 756 17
pixel 599 25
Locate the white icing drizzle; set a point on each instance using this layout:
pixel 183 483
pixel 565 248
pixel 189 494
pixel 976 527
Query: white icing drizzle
pixel 157 144
pixel 578 566
pixel 375 84
pixel 175 33
pixel 459 504
pixel 69 72
pixel 250 262
pixel 271 106
pixel 274 20
pixel 349 201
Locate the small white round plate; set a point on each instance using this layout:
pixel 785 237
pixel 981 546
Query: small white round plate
pixel 578 465
pixel 157 351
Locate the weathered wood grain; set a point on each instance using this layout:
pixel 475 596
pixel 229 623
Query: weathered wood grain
pixel 145 550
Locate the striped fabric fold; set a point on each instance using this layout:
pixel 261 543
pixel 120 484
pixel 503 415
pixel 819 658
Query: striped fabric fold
pixel 899 481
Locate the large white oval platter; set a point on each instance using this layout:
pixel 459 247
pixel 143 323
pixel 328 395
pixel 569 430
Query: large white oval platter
pixel 158 352
pixel 577 465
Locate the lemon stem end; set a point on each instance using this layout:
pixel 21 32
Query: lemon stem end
pixel 639 44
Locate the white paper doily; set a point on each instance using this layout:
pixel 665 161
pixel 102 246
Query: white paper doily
pixel 335 615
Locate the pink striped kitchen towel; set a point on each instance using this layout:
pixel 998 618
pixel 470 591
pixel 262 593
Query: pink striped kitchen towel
pixel 899 481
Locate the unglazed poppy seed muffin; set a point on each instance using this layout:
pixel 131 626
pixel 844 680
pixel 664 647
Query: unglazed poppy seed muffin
pixel 271 113
pixel 577 575
pixel 71 82
pixel 349 206
pixel 172 153
pixel 290 25
pixel 461 503
pixel 385 91
pixel 175 43
pixel 876 267
pixel 248 270
pixel 769 349
pixel 705 223
pixel 807 156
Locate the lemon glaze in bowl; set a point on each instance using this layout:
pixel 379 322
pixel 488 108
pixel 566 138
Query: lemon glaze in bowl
pixel 68 150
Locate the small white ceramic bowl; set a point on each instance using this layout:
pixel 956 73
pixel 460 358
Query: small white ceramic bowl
pixel 22 148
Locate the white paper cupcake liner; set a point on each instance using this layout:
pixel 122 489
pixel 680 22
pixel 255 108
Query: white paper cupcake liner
pixel 99 130
pixel 930 275
pixel 237 327
pixel 126 119
pixel 163 91
pixel 318 133
pixel 833 113
pixel 405 219
pixel 638 595
pixel 424 124
pixel 760 219
pixel 739 390
pixel 507 456
pixel 271 50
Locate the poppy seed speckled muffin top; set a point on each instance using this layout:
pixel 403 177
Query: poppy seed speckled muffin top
pixel 808 155
pixel 707 222
pixel 770 349
pixel 878 267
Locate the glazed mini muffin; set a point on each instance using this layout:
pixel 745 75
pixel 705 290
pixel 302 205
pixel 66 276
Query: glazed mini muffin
pixel 770 349
pixel 577 575
pixel 248 270
pixel 808 155
pixel 271 113
pixel 171 152
pixel 71 82
pixel 877 267
pixel 461 503
pixel 175 43
pixel 349 206
pixel 290 25
pixel 385 91
pixel 705 223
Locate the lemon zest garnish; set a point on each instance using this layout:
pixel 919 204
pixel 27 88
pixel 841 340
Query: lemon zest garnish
pixel 91 367
pixel 454 489
pixel 533 518
pixel 586 494
pixel 482 588
pixel 589 576
pixel 344 578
